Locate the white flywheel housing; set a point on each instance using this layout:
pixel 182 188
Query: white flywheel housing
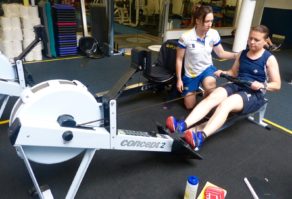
pixel 7 70
pixel 44 103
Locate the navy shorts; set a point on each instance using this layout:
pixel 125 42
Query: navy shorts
pixel 193 84
pixel 252 100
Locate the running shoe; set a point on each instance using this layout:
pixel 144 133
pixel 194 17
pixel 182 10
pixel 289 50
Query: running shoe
pixel 173 125
pixel 194 139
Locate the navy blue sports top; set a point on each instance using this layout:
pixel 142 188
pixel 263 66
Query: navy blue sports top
pixel 253 70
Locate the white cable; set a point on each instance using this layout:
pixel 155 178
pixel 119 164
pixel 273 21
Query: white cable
pixel 253 193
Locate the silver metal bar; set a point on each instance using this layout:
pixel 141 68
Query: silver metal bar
pixel 110 15
pixel 20 73
pixel 80 173
pixel 4 102
pixel 83 16
pixel 30 171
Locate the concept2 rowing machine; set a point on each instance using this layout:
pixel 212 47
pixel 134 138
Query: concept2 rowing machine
pixel 56 120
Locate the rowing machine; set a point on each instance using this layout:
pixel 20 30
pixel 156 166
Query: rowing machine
pixel 47 126
pixel 14 78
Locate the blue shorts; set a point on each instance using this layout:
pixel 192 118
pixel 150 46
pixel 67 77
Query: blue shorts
pixel 252 100
pixel 192 84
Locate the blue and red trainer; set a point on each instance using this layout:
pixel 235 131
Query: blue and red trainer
pixel 195 139
pixel 173 125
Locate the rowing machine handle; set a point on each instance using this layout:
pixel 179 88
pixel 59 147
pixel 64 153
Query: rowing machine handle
pixel 236 80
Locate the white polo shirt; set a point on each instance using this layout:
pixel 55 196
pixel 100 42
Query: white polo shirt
pixel 198 52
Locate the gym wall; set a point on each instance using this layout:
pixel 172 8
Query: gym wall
pixel 271 18
pixel 268 12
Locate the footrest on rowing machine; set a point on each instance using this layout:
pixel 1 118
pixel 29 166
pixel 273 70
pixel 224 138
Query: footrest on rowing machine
pixel 179 146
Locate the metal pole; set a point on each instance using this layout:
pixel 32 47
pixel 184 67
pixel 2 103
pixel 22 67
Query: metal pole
pixel 83 17
pixel 163 20
pixel 110 14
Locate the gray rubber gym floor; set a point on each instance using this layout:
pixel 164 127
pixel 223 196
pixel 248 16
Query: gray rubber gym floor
pixel 242 150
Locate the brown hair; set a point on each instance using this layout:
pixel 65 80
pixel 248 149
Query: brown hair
pixel 262 29
pixel 200 12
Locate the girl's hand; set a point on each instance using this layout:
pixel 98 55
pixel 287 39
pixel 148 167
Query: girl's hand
pixel 257 85
pixel 180 86
pixel 218 73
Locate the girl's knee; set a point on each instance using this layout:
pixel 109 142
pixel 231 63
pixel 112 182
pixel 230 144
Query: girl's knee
pixel 190 100
pixel 224 105
pixel 190 104
pixel 230 104
pixel 209 83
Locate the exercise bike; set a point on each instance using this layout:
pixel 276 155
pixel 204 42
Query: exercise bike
pixel 14 78
pixel 56 120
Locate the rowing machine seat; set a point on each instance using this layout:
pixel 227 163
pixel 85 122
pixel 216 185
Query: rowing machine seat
pixel 163 70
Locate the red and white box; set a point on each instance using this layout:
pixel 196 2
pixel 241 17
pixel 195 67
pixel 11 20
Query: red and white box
pixel 212 192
